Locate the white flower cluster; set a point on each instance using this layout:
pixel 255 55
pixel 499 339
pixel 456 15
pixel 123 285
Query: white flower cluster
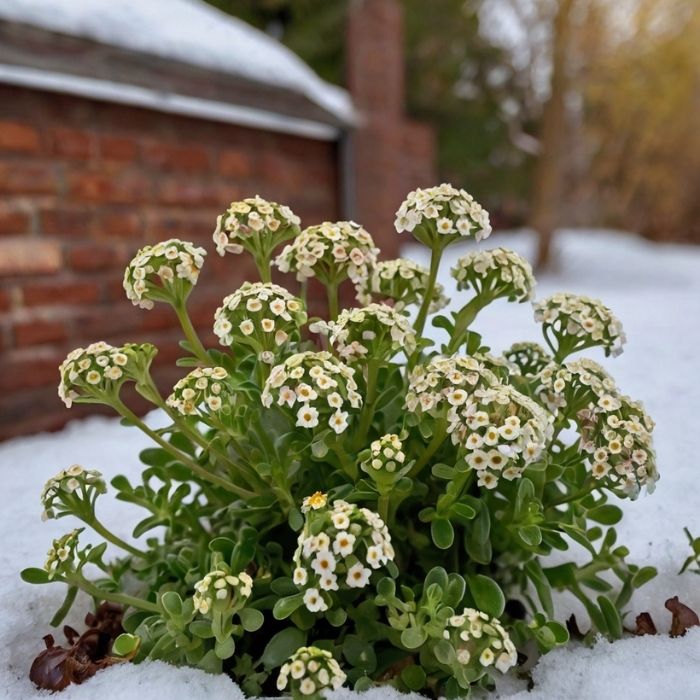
pixel 480 641
pixel 62 554
pixel 88 372
pixel 317 387
pixel 260 315
pixel 166 271
pixel 442 211
pixel 497 273
pixel 616 434
pixel 222 590
pixel 244 222
pixel 203 385
pixel 500 429
pixel 529 358
pixel 445 382
pixel 386 455
pixel 310 671
pixel 502 368
pixel 615 431
pixel 331 252
pixel 573 386
pixel 375 332
pixel 339 547
pixel 402 281
pixel 579 322
pixel 88 483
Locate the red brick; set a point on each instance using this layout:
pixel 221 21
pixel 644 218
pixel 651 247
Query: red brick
pixel 15 136
pixel 120 224
pixel 24 256
pixel 60 293
pixel 5 300
pixel 167 156
pixel 121 148
pixel 119 188
pixel 92 257
pixel 72 143
pixel 66 221
pixel 31 368
pixel 235 164
pixel 21 177
pixel 187 192
pixel 38 332
pixel 13 220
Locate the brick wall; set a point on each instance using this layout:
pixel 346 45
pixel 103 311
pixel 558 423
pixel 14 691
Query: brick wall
pixel 82 185
pixel 392 154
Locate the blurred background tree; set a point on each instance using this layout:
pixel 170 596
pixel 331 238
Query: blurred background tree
pixel 552 112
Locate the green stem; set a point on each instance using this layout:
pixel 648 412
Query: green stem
pixel 100 529
pixel 263 270
pixel 368 407
pixel 120 598
pixel 464 319
pixel 127 413
pixel 435 258
pixel 383 507
pixel 347 465
pixel 191 334
pixel 588 487
pixel 332 292
pixel 433 446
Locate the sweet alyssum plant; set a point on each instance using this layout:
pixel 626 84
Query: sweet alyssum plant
pixel 341 501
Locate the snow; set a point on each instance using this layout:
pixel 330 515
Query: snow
pixel 137 96
pixel 184 30
pixel 654 290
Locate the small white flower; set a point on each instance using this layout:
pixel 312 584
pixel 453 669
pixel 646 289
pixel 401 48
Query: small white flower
pixel 307 417
pixel 358 576
pixel 344 543
pixel 313 601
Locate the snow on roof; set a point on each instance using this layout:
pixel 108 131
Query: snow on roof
pixel 189 31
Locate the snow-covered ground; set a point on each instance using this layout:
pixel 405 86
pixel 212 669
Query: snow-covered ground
pixel 655 291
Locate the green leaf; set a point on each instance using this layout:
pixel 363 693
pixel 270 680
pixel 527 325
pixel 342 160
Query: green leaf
pixel 413 637
pixel 487 594
pixel 644 575
pixel 155 457
pixel 436 576
pixel 444 651
pixel 606 515
pixel 251 619
pixel 282 646
pixel 462 511
pixel 295 519
pixel 126 645
pixel 612 617
pixel 67 604
pixel 525 494
pixel 561 634
pixel 442 532
pixel 413 677
pixel 533 570
pixel 336 616
pixel 225 649
pixel 33 575
pixel 171 603
pixel 201 629
pixel 284 607
pixel 443 471
pixel 359 654
pixel 531 535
